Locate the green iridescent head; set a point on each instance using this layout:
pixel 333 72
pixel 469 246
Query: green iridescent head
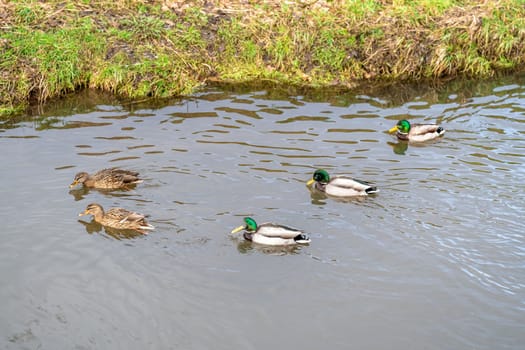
pixel 403 126
pixel 321 175
pixel 251 225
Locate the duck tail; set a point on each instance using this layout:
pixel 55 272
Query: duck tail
pixel 147 227
pixel 371 190
pixel 302 238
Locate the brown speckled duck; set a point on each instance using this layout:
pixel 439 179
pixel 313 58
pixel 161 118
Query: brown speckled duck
pixel 118 218
pixel 111 178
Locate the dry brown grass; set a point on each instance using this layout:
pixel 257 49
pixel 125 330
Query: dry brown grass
pixel 165 48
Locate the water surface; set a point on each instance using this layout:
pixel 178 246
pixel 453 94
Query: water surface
pixel 433 261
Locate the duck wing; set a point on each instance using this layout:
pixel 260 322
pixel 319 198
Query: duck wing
pixel 102 174
pixel 116 175
pixel 274 230
pixel 123 215
pixel 124 176
pixel 123 218
pixel 421 129
pixel 350 183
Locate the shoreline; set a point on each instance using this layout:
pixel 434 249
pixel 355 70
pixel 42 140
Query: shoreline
pixel 159 49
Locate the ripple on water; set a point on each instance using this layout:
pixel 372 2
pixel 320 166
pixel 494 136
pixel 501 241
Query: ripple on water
pixel 441 244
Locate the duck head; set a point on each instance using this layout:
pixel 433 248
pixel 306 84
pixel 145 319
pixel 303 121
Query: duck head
pixel 93 209
pixel 321 176
pixel 402 126
pixel 250 225
pixel 80 178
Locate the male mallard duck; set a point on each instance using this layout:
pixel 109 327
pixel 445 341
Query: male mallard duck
pixel 111 178
pixel 271 234
pixel 340 186
pixel 416 132
pixel 117 218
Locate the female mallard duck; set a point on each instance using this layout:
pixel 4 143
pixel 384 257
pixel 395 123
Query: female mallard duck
pixel 416 132
pixel 111 178
pixel 340 186
pixel 118 218
pixel 271 234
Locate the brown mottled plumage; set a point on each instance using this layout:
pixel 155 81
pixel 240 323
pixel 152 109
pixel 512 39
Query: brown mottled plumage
pixel 118 218
pixel 112 178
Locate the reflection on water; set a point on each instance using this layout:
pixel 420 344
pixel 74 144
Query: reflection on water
pixel 320 198
pixel 246 247
pixel 95 227
pixel 81 192
pixel 399 147
pixel 434 260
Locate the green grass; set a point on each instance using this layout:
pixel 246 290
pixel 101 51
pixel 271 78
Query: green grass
pixel 139 48
pixel 144 28
pixel 51 63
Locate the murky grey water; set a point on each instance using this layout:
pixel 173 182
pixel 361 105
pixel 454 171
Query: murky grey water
pixel 436 260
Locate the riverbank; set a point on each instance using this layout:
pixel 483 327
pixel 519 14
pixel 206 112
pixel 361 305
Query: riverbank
pixel 142 49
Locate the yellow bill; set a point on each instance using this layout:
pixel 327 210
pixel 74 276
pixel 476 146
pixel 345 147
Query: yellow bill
pixel 311 181
pixel 235 230
pixel 394 129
